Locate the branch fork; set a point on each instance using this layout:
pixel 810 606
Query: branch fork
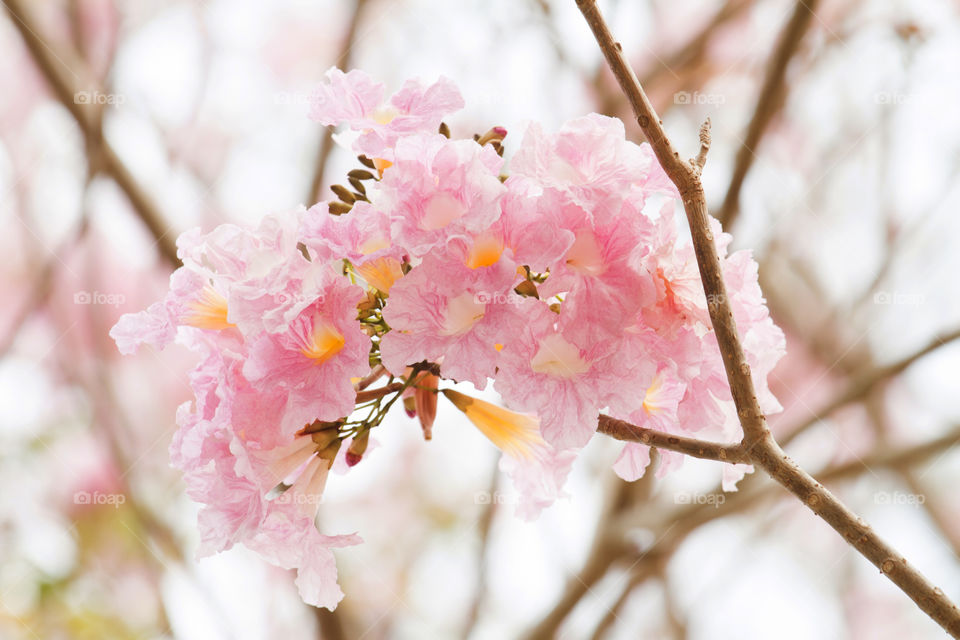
pixel 758 446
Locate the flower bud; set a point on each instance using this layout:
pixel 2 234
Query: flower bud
pixel 357 447
pixel 343 193
pixel 410 406
pixel 527 288
pixel 324 437
pixel 496 134
pixel 339 208
pixel 362 174
pixel 409 402
pixel 425 402
pixel 329 453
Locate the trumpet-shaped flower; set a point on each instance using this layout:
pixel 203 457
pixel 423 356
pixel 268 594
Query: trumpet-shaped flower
pixel 314 355
pixel 356 100
pixel 537 469
pixel 439 189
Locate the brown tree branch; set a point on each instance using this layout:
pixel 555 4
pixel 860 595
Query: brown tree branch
pixel 860 386
pixel 620 430
pixel 769 103
pixel 484 526
pixel 379 392
pixel 604 552
pixel 326 137
pixel 696 47
pixel 763 450
pixel 64 72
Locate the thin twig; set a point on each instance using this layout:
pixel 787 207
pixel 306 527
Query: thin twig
pixel 603 553
pixel 769 102
pixel 484 527
pixel 763 450
pixel 64 70
pixel 862 385
pixel 326 138
pixel 620 430
pixel 379 392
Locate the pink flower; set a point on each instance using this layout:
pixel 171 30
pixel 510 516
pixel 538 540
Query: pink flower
pixel 356 100
pixel 601 275
pixel 362 237
pixel 538 470
pixel 313 355
pixel 590 159
pixel 543 371
pixel 563 285
pixel 290 541
pixel 633 461
pixel 530 228
pixel 445 311
pixel 216 267
pixel 191 302
pixel 438 189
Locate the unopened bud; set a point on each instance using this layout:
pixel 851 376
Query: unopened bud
pixel 357 447
pixel 339 208
pixel 361 174
pixel 323 437
pixel 409 402
pixel 527 288
pixel 369 303
pixel 425 401
pixel 356 184
pixel 410 406
pixel 496 134
pixel 343 193
pixel 329 453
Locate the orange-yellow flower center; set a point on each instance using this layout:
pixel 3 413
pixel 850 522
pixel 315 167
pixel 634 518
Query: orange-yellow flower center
pixel 651 400
pixel 486 250
pixel 209 311
pixel 381 165
pixel 323 342
pixel 384 115
pixel 516 434
pixel 381 273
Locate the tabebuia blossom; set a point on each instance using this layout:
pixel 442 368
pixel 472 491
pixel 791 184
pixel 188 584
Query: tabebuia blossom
pixel 566 281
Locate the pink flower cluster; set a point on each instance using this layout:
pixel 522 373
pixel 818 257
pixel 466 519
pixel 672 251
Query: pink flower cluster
pixel 566 284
